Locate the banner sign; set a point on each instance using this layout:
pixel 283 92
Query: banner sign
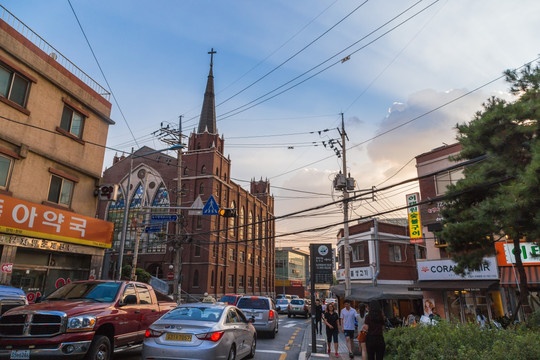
pixel 530 253
pixel 415 226
pixel 321 258
pixel 357 273
pixel 20 217
pixel 444 270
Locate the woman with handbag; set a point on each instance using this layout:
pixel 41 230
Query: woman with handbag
pixel 361 318
pixel 374 325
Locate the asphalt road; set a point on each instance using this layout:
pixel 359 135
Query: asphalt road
pixel 286 345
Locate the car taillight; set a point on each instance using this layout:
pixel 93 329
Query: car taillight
pixel 271 315
pixel 152 333
pixel 211 336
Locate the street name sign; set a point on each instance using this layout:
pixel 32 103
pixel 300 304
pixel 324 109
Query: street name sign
pixel 163 218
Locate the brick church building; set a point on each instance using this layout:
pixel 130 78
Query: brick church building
pixel 219 255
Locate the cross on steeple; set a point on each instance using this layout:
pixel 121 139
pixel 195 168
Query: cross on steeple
pixel 212 52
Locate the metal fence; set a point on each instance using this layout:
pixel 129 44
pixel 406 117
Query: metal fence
pixel 37 40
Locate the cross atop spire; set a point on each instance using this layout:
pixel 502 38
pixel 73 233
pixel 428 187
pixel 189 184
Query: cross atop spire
pixel 212 52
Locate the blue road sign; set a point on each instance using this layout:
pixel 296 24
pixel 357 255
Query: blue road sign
pixel 152 228
pixel 163 218
pixel 211 207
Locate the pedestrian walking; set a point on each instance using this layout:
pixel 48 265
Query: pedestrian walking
pixel 361 318
pixel 331 319
pixel 348 316
pixel 318 316
pixel 374 325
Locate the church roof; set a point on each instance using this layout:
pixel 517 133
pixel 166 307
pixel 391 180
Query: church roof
pixel 207 121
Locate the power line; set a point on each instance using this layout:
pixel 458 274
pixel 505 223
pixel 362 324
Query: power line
pixel 102 73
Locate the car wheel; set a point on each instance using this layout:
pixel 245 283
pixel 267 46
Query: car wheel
pixel 253 347
pixel 288 315
pixel 232 353
pixel 272 334
pixel 100 349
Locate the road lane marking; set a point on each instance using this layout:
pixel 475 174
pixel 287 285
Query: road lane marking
pixel 271 351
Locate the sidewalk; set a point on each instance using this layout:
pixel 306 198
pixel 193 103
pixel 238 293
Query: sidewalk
pixel 305 352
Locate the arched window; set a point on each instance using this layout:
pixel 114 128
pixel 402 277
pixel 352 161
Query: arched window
pixel 212 279
pixel 197 248
pixel 241 224
pixel 201 189
pixel 196 278
pixel 250 226
pixel 137 197
pixel 186 172
pixel 225 176
pixel 198 145
pixel 203 169
pixel 231 222
pixel 221 279
pixel 257 233
pixel 217 171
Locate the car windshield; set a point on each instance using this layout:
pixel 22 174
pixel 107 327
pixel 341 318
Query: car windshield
pixel 297 302
pixel 96 291
pixel 253 303
pixel 228 299
pixel 194 313
pixel 282 301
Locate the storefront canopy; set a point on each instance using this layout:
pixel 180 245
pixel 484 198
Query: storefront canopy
pixel 510 276
pixel 462 285
pixel 368 292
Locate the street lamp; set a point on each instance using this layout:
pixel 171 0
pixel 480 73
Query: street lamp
pixel 127 204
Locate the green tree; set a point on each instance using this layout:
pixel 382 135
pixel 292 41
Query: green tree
pixel 141 274
pixel 500 195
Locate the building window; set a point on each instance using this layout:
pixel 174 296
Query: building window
pixel 203 169
pixel 60 190
pixel 250 258
pixel 263 262
pixel 212 279
pixel 257 260
pixel 201 189
pixel 250 226
pixel 199 222
pixel 250 282
pixel 196 278
pixel 241 228
pixel 217 172
pixel 13 86
pixel 395 253
pixel 6 165
pixel 72 121
pixel 186 172
pixel 197 248
pixel 241 281
pixel 264 283
pixel 230 281
pixel 231 254
pixel 214 250
pixel 221 279
pixel 358 252
pixel 447 178
pixel 257 282
pixel 241 257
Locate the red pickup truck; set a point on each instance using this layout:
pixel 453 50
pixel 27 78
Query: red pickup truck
pixel 83 319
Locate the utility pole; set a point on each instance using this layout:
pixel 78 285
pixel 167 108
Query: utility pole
pixel 172 136
pixel 346 213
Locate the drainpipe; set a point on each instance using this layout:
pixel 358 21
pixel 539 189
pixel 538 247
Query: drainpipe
pixel 377 259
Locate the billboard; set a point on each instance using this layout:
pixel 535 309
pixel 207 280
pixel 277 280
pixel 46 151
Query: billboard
pixel 321 263
pixel 415 226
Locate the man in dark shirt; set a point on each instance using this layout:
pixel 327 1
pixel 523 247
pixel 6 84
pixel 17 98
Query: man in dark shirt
pixel 318 316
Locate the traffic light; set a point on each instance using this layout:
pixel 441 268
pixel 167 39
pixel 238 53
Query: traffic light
pixel 227 212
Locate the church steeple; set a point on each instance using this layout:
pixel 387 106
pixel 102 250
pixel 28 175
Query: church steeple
pixel 207 122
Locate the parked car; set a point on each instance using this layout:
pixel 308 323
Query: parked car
pixel 10 298
pixel 201 331
pixel 282 306
pixel 230 299
pixel 283 296
pixel 295 297
pixel 87 319
pixel 298 307
pixel 263 310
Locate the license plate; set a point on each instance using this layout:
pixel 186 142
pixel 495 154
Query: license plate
pixel 20 354
pixel 178 337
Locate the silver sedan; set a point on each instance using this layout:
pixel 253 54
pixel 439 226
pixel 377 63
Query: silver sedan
pixel 200 331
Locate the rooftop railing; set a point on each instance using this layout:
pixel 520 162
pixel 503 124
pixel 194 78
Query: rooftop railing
pixel 37 40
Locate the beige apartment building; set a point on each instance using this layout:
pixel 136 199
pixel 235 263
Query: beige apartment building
pixel 54 121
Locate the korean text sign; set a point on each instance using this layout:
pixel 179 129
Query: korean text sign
pixel 322 263
pixel 20 217
pixel 415 226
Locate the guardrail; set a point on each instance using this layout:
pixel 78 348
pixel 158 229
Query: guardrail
pixel 37 40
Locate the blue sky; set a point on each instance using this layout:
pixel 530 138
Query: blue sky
pixel 154 56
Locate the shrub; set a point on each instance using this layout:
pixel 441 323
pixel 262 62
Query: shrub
pixel 447 341
pixel 142 275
